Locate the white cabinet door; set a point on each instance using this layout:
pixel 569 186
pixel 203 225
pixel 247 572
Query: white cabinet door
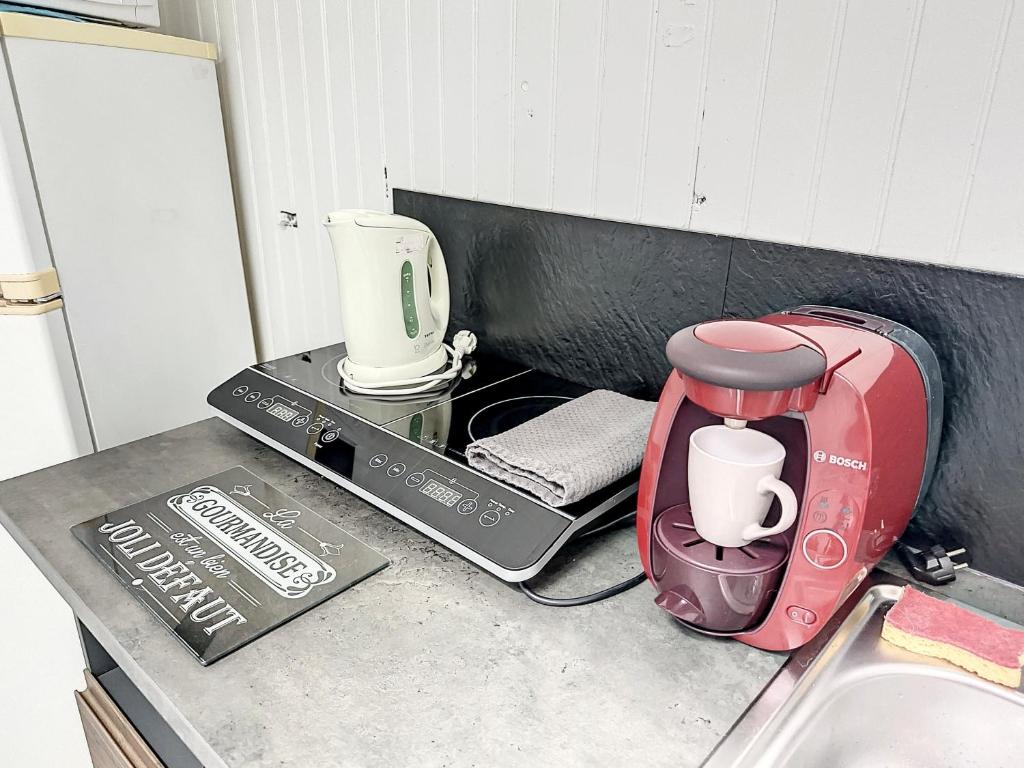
pixel 129 157
pixel 41 665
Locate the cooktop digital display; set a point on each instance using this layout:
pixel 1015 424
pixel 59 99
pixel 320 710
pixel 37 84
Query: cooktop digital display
pixel 282 412
pixel 440 493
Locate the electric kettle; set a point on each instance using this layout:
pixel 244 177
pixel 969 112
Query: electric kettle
pixel 394 302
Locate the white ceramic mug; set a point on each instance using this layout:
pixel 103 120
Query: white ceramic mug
pixel 733 474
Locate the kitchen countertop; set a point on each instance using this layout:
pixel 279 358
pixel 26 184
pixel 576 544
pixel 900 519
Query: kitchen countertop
pixel 430 662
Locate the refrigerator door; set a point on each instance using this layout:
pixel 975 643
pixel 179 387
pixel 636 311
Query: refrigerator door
pixel 130 164
pixel 42 413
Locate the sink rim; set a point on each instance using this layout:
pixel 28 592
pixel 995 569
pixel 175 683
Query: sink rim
pixel 845 653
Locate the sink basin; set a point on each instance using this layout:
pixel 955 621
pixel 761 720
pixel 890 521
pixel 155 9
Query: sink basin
pixel 852 700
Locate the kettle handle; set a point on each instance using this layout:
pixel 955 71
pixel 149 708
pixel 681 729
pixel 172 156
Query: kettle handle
pixel 440 298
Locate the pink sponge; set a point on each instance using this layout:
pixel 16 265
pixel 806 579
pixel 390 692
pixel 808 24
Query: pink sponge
pixel 933 627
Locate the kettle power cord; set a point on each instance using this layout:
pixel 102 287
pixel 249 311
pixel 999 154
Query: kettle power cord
pixel 463 344
pixel 604 594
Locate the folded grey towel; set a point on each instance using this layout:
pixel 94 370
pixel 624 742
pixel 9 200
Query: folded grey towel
pixel 572 450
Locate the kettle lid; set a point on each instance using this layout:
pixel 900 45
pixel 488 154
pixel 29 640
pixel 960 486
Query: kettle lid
pixel 363 217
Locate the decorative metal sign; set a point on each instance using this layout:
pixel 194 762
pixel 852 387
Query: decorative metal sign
pixel 225 559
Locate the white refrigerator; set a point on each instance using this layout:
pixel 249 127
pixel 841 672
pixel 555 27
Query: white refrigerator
pixel 122 289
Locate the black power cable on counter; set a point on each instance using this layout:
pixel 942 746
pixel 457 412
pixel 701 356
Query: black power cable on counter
pixel 604 594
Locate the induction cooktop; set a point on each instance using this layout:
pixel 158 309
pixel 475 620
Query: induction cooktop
pixel 407 455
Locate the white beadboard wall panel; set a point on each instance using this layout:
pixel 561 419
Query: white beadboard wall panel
pixel 255 182
pixel 889 127
pixel 343 132
pixel 239 134
pixel 458 96
pixel 993 229
pixel 950 88
pixel 738 60
pixel 423 85
pixel 877 41
pixel 304 239
pixel 623 106
pixel 494 102
pixel 316 110
pixel 395 93
pixel 534 60
pixel 674 112
pixel 365 59
pixel 797 94
pixel 581 32
pixel 279 157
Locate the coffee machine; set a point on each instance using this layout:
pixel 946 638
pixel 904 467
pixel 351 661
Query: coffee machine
pixel 855 399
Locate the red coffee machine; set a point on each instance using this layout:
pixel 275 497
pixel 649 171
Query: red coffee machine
pixel 856 400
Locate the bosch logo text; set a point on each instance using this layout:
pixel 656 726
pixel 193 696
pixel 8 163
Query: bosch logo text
pixel 841 461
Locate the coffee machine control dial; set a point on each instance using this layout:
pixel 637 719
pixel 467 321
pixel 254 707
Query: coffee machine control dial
pixel 824 549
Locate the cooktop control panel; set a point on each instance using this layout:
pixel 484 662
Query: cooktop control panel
pixel 402 475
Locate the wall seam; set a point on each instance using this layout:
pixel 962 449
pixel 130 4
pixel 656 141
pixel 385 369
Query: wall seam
pixel 265 346
pixel 332 148
pixel 355 103
pixel 705 62
pixel 980 130
pixel 759 118
pixel 601 64
pixel 440 93
pixel 825 117
pixel 261 78
pixel 289 158
pixel 407 20
pixel 380 98
pixel 552 132
pixel 513 72
pixel 645 131
pixel 318 246
pixel 897 130
pixel 474 99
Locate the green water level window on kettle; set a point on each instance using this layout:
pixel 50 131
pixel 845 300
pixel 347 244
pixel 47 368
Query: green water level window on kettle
pixel 416 427
pixel 412 320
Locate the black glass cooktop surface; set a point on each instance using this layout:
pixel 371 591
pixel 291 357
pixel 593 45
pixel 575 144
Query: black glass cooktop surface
pixel 316 373
pixel 488 411
pixel 407 455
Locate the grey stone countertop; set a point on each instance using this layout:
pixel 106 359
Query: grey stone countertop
pixel 431 662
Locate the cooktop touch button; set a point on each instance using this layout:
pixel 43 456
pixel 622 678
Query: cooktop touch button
pixel 824 549
pixel 379 460
pixel 489 518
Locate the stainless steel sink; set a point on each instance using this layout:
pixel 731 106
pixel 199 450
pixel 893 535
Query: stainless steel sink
pixel 852 699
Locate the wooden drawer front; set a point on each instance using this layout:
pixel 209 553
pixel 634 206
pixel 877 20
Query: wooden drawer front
pixel 113 742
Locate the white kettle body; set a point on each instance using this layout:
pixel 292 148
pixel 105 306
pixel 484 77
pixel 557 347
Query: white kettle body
pixel 394 295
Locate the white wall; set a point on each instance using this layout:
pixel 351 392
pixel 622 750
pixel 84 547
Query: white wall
pixel 887 127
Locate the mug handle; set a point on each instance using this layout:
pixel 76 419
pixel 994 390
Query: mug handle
pixel 770 484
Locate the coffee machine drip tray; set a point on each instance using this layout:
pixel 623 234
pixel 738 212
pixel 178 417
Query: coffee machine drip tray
pixel 407 455
pixel 711 588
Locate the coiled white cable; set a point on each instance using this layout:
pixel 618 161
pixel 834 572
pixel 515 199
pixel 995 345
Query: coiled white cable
pixel 463 344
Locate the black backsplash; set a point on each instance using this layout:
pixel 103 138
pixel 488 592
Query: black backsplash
pixel 594 301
